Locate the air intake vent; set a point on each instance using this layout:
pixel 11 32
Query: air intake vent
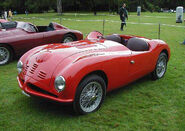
pixel 34 67
pixel 42 75
pixel 25 69
pixel 37 89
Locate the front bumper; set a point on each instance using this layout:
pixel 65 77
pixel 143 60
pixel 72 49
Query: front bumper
pixel 36 90
pixel 25 94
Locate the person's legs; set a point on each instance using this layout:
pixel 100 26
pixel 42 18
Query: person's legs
pixel 125 24
pixel 122 23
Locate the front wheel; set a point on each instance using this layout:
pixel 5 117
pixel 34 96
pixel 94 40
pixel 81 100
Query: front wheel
pixel 89 95
pixel 68 38
pixel 5 54
pixel 161 66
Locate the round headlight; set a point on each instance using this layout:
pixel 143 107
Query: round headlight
pixel 19 67
pixel 60 83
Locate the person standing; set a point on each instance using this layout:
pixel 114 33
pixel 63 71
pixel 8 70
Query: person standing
pixel 5 15
pixel 10 14
pixel 123 15
pixel 26 12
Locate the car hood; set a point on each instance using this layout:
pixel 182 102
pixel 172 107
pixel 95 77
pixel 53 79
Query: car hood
pixel 41 64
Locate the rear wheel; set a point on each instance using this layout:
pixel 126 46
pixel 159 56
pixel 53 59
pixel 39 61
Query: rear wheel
pixel 161 66
pixel 5 54
pixel 89 95
pixel 68 38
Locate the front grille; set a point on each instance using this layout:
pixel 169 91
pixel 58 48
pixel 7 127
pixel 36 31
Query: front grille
pixel 39 90
pixel 25 69
pixel 33 68
pixel 41 75
pixel 22 80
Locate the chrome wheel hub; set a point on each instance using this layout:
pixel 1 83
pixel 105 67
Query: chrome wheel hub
pixel 161 66
pixel 4 55
pixel 91 96
pixel 68 39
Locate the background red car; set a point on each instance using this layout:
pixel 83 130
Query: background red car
pixel 16 38
pixel 3 20
pixel 82 72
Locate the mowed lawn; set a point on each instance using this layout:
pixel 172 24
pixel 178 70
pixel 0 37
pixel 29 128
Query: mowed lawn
pixel 142 105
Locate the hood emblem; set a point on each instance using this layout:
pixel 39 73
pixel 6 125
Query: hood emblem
pixel 43 57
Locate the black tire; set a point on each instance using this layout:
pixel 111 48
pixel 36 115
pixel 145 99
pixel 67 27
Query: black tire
pixel 155 74
pixel 83 86
pixel 7 53
pixel 70 38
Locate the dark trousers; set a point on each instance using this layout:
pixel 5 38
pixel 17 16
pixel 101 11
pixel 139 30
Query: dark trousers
pixel 123 22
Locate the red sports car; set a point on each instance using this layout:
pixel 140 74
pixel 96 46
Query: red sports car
pixel 16 38
pixel 82 72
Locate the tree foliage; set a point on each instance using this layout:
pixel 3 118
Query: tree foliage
pixel 88 5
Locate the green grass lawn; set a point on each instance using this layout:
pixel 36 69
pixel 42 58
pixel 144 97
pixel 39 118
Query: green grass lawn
pixel 142 105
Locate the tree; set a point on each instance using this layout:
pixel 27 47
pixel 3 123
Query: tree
pixel 59 7
pixel 94 6
pixel 38 6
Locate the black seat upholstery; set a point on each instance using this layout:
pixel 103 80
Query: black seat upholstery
pixel 137 44
pixel 9 25
pixel 115 38
pixel 51 27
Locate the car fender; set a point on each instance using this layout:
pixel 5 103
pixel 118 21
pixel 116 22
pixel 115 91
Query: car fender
pixel 74 71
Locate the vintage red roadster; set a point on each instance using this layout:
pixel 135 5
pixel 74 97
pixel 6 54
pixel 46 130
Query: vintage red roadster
pixel 82 72
pixel 16 38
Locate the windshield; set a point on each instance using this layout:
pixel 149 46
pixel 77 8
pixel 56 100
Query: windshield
pixel 26 26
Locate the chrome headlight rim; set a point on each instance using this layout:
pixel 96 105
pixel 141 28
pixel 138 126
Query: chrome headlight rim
pixel 60 83
pixel 19 66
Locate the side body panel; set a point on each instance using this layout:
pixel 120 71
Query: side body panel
pixel 139 64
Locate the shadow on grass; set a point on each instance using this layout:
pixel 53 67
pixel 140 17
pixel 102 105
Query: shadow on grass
pixel 61 110
pixel 57 109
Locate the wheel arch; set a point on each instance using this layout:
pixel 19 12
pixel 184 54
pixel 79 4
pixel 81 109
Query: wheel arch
pixel 166 52
pixel 100 73
pixel 71 33
pixel 12 49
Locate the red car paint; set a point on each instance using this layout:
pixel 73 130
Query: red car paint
pixel 76 60
pixel 3 20
pixel 21 41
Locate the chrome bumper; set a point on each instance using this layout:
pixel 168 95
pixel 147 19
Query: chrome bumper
pixel 23 92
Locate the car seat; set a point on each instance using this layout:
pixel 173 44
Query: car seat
pixel 137 44
pixel 115 38
pixel 50 27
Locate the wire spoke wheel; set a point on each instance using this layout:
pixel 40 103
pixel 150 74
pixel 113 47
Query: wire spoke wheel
pixel 161 66
pixel 68 39
pixel 91 96
pixel 4 55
